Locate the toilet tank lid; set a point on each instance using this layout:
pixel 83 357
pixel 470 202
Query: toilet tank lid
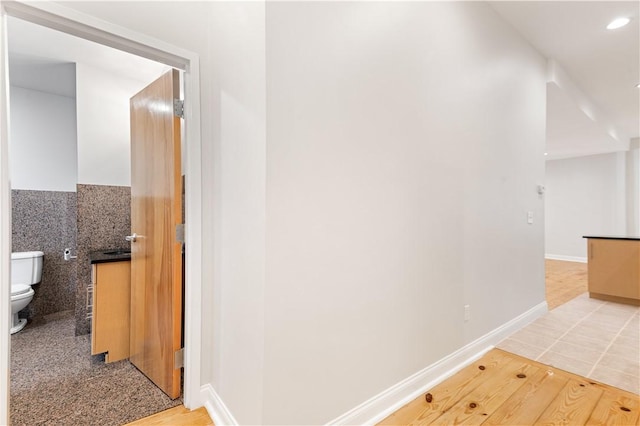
pixel 26 254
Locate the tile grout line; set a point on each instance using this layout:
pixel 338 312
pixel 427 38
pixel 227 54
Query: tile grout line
pixel 609 346
pixel 567 332
pixel 521 342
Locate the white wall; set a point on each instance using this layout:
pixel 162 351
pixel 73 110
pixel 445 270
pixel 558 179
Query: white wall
pixel 58 141
pixel 584 196
pixel 404 145
pixel 229 38
pixel 42 141
pixel 633 187
pixel 104 142
pixel 394 184
pixel 238 55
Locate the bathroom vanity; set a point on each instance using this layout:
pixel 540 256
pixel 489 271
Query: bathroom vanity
pixel 111 279
pixel 614 268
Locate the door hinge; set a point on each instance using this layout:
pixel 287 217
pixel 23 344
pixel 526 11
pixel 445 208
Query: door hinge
pixel 180 233
pixel 178 108
pixel 178 359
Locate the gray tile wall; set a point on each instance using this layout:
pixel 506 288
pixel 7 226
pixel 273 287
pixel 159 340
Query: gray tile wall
pixel 46 221
pixel 104 219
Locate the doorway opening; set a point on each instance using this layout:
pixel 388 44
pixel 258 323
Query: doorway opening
pixel 191 151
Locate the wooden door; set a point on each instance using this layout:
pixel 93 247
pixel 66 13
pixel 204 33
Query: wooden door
pixel 156 255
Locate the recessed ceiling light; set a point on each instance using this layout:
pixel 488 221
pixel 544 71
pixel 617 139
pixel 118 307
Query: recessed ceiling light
pixel 618 23
pixel 546 153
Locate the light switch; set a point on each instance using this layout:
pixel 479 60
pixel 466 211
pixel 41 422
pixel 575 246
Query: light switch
pixel 529 217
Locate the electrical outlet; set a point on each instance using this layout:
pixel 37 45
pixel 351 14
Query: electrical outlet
pixel 467 313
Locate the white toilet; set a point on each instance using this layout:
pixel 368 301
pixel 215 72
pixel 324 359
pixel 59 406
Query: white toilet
pixel 26 270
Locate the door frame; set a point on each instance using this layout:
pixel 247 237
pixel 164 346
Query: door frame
pixel 85 26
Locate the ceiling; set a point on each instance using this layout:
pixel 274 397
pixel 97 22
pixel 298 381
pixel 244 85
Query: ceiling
pixel 601 67
pixel 42 59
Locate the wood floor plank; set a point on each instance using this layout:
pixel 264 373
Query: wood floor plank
pixel 548 396
pixel 176 416
pixel 525 405
pixel 446 394
pixel 616 409
pixel 573 405
pixel 489 396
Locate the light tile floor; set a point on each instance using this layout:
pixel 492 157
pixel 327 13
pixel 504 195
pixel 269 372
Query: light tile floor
pixel 593 338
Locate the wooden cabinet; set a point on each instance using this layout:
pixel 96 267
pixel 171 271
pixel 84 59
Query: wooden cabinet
pixel 614 269
pixel 111 309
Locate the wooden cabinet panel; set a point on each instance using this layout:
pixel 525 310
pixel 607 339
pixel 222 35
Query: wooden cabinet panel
pixel 614 270
pixel 111 310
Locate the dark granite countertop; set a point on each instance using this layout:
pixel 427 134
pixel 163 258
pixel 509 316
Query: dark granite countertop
pixel 110 255
pixel 613 237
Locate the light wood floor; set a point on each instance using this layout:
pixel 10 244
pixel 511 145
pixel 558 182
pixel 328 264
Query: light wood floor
pixel 564 281
pixel 177 416
pixel 505 389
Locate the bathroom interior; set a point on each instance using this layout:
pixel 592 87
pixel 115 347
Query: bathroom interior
pixel 70 180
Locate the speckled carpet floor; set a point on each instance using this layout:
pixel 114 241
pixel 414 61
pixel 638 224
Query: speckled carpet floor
pixel 55 380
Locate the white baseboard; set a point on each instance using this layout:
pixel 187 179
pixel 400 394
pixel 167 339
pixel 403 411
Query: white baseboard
pixel 566 258
pixel 216 408
pixel 387 402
